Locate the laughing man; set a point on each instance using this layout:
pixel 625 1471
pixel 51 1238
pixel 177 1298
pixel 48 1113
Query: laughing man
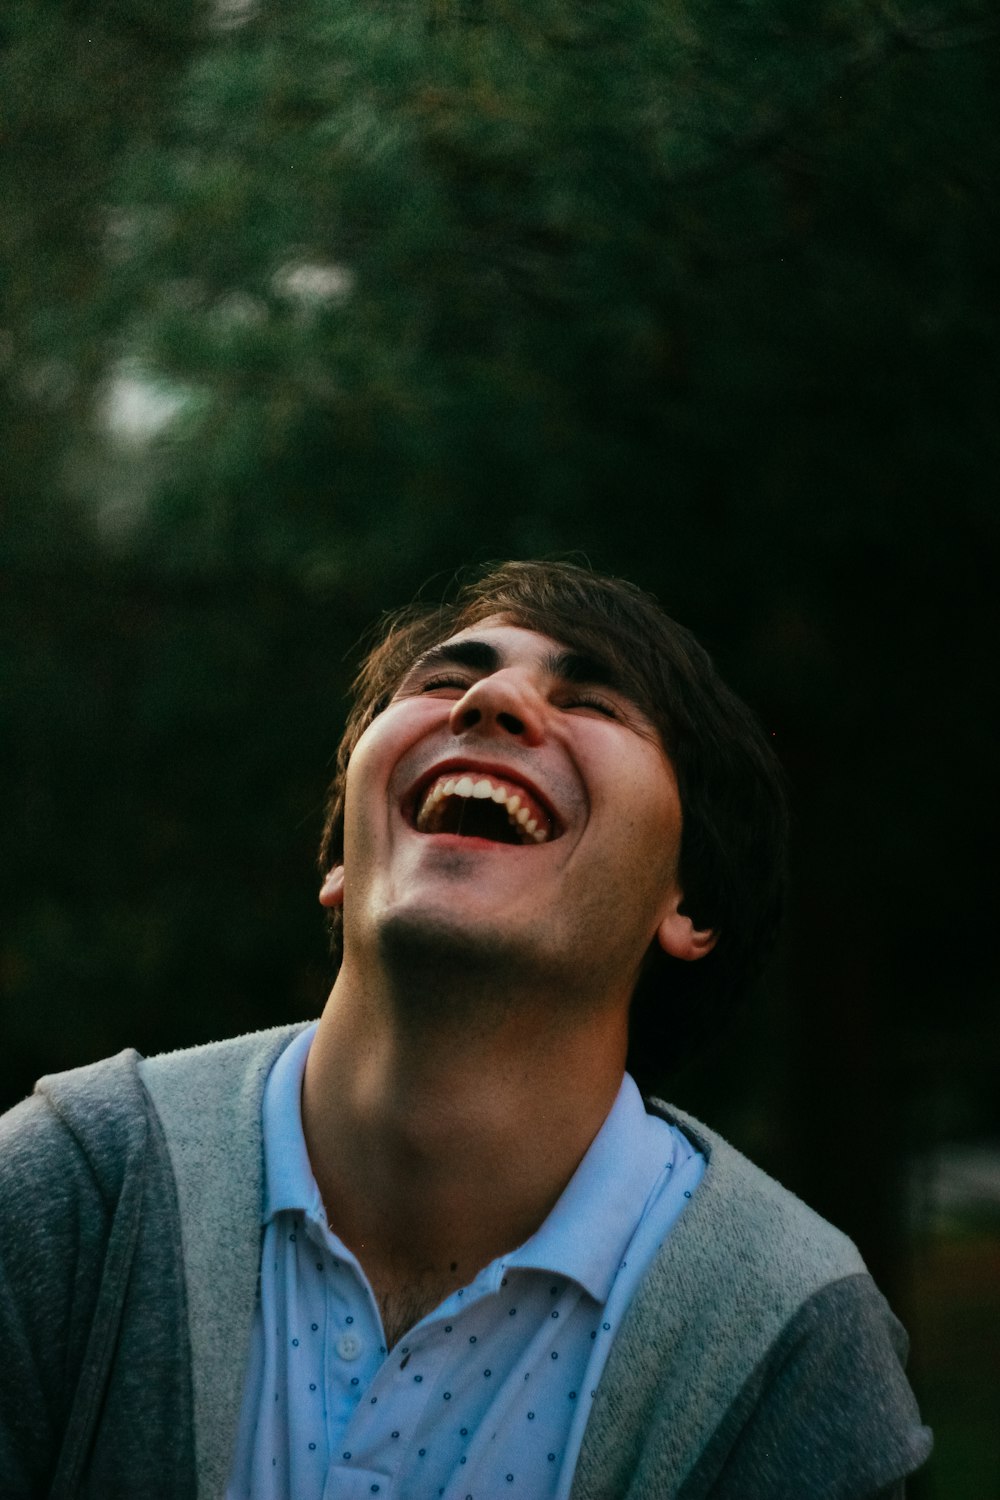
pixel 438 1244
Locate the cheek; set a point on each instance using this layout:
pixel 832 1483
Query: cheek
pixel 650 835
pixel 376 772
pixel 364 792
pixel 374 755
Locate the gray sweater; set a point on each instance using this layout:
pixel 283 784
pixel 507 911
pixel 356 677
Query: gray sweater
pixel 757 1362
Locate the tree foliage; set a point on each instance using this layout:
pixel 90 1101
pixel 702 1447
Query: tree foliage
pixel 305 304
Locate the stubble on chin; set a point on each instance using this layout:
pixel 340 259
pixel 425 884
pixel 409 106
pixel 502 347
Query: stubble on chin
pixel 446 971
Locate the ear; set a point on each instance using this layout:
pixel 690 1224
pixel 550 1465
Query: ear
pixel 678 936
pixel 331 892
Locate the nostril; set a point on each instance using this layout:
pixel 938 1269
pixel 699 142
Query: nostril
pixel 511 723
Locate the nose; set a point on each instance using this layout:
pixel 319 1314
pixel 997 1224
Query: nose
pixel 505 702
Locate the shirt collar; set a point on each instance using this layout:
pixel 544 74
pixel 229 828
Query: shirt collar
pixel 288 1176
pixel 586 1235
pixel 587 1232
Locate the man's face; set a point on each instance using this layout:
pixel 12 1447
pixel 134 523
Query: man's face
pixel 512 807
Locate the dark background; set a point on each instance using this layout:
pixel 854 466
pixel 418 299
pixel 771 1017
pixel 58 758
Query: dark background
pixel 306 307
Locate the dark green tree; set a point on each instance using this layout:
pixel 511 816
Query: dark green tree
pixel 310 303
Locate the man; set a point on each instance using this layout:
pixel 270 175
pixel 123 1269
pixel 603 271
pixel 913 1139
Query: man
pixel 436 1245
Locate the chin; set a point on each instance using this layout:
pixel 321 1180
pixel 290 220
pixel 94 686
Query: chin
pixel 414 939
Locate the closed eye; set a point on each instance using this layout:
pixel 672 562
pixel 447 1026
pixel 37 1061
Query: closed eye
pixel 598 705
pixel 450 681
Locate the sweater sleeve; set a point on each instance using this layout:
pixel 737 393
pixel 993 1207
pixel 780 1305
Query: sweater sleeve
pixel 51 1210
pixel 828 1413
pixel 95 1400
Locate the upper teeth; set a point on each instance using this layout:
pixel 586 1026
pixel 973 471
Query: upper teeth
pixel 531 819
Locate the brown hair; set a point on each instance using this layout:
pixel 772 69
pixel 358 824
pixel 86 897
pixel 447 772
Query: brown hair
pixel 733 844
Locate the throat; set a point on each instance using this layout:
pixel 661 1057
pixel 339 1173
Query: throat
pixel 403 1300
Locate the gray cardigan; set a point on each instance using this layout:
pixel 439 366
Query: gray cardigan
pixel 757 1362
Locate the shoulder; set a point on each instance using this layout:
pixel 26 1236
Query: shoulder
pixel 83 1129
pixel 198 1092
pixel 96 1377
pixel 755 1317
pixel 231 1063
pixel 74 1171
pixel 829 1401
pixel 80 1129
pixel 744 1258
pixel 753 1232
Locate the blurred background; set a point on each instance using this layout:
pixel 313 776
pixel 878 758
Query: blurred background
pixel 306 307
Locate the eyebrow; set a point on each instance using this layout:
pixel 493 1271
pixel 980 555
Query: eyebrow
pixel 479 656
pixel 576 667
pixel 584 670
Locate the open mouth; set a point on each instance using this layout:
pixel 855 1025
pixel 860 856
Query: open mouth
pixel 475 805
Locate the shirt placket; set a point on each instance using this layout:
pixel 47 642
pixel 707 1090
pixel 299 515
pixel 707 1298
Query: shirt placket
pixel 385 1420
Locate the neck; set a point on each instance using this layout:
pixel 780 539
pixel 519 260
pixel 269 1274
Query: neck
pixel 441 1140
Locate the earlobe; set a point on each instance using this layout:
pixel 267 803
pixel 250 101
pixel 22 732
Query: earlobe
pixel 331 892
pixel 678 936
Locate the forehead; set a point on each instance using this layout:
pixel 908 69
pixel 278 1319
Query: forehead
pixel 497 642
pixel 510 640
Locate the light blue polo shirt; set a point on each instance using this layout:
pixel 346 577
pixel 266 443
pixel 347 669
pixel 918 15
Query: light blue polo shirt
pixel 488 1395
